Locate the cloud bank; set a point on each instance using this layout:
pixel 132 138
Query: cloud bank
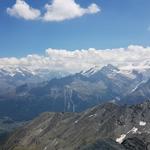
pixel 75 61
pixel 58 10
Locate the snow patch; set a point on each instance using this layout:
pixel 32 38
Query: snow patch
pixel 45 148
pixel 93 115
pixel 76 121
pixel 142 123
pixel 136 87
pixel 121 138
pixel 91 71
pixel 128 73
pixel 133 130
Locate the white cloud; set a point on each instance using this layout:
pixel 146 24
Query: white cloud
pixel 74 61
pixel 58 10
pixel 61 10
pixel 22 10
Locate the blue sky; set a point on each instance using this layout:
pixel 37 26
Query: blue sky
pixel 119 23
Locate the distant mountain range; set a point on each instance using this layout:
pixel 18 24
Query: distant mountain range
pixel 105 127
pixel 24 93
pixel 12 77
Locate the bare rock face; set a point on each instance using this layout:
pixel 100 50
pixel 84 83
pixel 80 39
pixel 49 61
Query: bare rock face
pixel 134 144
pixel 103 144
pixel 108 144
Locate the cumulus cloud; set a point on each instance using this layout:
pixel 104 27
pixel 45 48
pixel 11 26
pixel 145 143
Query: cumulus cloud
pixel 58 10
pixel 61 10
pixel 132 57
pixel 22 10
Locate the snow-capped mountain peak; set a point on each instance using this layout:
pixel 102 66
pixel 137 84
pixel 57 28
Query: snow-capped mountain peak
pixel 90 71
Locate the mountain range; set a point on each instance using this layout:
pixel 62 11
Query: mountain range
pixel 31 94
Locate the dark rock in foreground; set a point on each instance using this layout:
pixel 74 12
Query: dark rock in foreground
pixel 105 127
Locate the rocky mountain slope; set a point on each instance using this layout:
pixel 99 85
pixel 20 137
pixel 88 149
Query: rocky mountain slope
pixel 102 127
pixel 7 126
pixel 139 94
